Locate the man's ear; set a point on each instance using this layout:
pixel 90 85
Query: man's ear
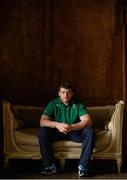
pixel 59 93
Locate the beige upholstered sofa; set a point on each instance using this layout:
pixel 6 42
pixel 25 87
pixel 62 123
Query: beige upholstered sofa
pixel 21 125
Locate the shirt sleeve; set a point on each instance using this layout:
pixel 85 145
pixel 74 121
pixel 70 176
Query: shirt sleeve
pixel 82 110
pixel 49 110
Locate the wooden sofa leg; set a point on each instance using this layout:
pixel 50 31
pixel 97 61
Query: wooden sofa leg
pixel 62 163
pixel 119 163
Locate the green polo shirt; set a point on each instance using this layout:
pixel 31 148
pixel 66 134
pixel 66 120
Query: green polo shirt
pixel 60 112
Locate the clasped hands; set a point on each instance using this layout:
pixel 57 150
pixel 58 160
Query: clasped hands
pixel 64 128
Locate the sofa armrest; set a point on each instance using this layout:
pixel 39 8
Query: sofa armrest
pixel 9 126
pixel 117 117
pixel 116 125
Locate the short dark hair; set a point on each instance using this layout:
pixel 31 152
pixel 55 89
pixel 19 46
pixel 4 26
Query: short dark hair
pixel 66 85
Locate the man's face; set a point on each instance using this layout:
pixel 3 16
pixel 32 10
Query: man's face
pixel 65 95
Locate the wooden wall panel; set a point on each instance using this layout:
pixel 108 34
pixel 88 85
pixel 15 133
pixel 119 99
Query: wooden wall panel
pixel 45 41
pixel 22 61
pixel 82 47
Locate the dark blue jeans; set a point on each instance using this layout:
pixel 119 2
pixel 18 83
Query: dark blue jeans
pixel 49 135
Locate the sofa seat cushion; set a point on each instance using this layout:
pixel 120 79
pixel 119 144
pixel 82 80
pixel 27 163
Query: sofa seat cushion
pixel 28 138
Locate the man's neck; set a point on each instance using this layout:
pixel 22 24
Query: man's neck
pixel 66 103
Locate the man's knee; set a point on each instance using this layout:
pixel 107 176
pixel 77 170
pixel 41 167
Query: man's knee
pixel 88 131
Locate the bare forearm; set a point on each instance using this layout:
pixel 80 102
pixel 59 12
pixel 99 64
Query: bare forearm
pixel 80 125
pixel 62 127
pixel 48 123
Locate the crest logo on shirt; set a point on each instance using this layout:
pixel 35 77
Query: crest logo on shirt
pixel 57 105
pixel 74 105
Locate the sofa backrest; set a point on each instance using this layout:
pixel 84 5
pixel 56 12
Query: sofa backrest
pixel 29 116
pixel 101 115
pixel 26 116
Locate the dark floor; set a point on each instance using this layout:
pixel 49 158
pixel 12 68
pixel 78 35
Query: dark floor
pixel 30 169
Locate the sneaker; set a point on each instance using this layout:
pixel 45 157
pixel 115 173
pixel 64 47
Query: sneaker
pixel 82 172
pixel 49 170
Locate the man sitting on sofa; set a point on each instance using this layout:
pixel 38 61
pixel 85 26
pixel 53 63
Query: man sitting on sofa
pixel 65 118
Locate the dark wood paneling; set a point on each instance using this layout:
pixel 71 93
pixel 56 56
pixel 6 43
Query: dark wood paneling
pixel 23 62
pixel 82 47
pixel 44 42
pixel 125 114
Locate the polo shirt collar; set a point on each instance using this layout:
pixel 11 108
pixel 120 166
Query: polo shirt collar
pixel 70 103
